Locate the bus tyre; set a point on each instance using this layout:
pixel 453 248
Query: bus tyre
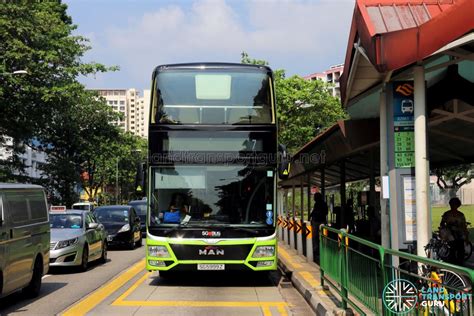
pixel 85 259
pixel 33 289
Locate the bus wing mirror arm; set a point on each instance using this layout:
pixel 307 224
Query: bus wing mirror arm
pixel 284 162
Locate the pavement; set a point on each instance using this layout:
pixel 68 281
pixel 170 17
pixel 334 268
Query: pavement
pixel 305 277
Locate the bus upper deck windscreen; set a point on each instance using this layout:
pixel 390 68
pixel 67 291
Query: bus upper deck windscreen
pixel 213 96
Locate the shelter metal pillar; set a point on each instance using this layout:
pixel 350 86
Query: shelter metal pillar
pixel 342 190
pixel 372 178
pixel 384 210
pixel 423 221
pixel 301 197
pixel 308 195
pixel 323 183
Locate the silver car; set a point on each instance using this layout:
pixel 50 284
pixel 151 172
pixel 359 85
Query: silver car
pixel 77 238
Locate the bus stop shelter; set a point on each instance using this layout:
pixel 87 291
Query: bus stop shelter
pixel 408 88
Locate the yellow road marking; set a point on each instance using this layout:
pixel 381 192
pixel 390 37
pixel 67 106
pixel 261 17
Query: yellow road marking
pixel 282 310
pixel 266 311
pixel 287 257
pixel 198 304
pixel 132 288
pixel 96 297
pixel 121 301
pixel 309 278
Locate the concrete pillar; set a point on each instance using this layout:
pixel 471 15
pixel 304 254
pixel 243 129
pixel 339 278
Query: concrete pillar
pixel 422 164
pixel 384 210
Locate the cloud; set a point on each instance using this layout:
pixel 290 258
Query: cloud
pixel 300 36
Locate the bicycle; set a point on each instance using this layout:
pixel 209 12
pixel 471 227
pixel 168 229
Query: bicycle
pixel 450 282
pixel 467 246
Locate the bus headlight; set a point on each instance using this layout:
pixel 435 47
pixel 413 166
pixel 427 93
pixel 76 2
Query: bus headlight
pixel 158 251
pixel 264 251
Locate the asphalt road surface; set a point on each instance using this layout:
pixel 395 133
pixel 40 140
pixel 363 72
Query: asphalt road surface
pixel 63 287
pixel 123 287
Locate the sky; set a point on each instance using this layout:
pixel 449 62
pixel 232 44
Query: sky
pixel 300 36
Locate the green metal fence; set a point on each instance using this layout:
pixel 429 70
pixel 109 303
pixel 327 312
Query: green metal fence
pixel 363 272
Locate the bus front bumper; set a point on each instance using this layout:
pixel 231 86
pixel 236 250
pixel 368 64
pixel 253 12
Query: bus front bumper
pixel 224 255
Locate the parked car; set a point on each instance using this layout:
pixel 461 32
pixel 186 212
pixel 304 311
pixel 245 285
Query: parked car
pixel 24 238
pixel 140 208
pixel 86 206
pixel 122 225
pixel 77 238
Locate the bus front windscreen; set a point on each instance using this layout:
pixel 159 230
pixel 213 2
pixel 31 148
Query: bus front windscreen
pixel 209 97
pixel 202 196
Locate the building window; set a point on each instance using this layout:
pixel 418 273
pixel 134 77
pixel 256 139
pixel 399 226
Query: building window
pixel 122 102
pixel 122 108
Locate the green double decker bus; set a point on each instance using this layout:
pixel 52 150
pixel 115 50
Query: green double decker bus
pixel 212 168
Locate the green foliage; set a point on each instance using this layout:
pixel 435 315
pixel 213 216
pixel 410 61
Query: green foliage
pixel 451 179
pixel 304 108
pixel 49 105
pixel 37 37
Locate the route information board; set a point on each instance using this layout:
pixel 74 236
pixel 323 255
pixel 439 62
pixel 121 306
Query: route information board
pixel 403 122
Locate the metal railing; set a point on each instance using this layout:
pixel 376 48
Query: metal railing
pixel 362 272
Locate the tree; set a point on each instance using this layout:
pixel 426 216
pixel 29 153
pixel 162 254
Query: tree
pixel 304 108
pixel 123 153
pixel 37 37
pixel 74 138
pixel 451 179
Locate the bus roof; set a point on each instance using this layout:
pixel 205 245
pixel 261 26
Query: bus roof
pixel 212 65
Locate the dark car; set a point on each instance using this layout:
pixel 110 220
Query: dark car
pixel 122 225
pixel 140 208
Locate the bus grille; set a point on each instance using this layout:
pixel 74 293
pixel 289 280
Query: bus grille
pixel 211 252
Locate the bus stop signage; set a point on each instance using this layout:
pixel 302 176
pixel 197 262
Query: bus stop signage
pixel 403 123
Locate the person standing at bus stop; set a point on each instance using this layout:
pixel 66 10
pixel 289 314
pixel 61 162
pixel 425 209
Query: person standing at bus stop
pixel 317 217
pixel 454 222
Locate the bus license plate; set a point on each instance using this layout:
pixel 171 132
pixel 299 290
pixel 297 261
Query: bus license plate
pixel 210 266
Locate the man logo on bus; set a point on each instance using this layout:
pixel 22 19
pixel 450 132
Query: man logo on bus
pixel 211 251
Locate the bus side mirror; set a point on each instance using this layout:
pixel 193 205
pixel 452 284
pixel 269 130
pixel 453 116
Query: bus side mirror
pixel 284 163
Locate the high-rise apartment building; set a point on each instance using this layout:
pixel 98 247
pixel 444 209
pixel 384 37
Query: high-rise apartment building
pixel 330 76
pixel 142 110
pixel 132 106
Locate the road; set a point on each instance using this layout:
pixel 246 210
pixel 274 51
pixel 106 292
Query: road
pixel 63 287
pixel 123 287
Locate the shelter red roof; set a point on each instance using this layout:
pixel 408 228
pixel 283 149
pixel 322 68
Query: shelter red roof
pixel 397 33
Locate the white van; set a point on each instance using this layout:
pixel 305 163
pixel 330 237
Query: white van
pixel 84 206
pixel 24 238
